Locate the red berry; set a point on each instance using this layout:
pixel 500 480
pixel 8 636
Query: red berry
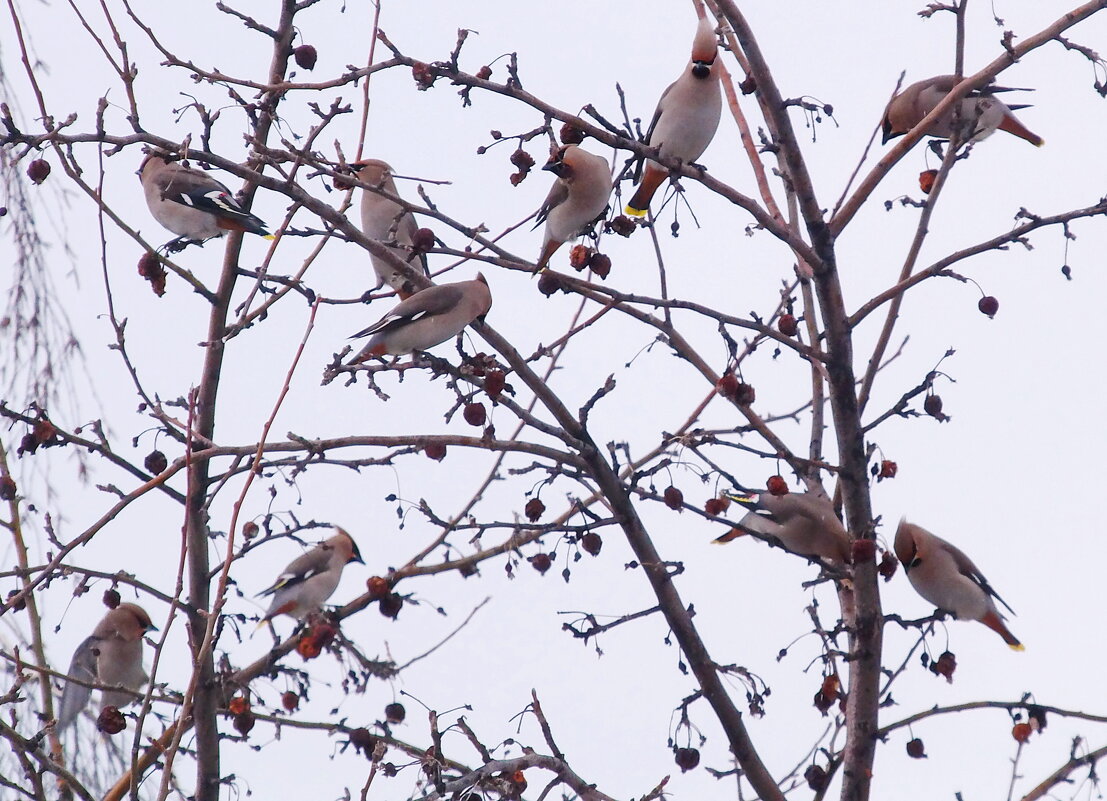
pixel 715 506
pixel 156 462
pixel 422 240
pixel 988 305
pixel 522 159
pixel 290 701
pixel 435 450
pixel 600 265
pixel 390 605
pixel 674 498
pixel 570 134
pixel 744 395
pixel 916 749
pixel 423 76
pixel 622 225
pixel 395 713
pixel 534 509
pixel 776 485
pixel 686 758
pixel 815 776
pixel 888 469
pixel 362 740
pixel 7 488
pixel 933 406
pixel 944 665
pixel 579 257
pixel 377 586
pixel 111 720
pixel 475 414
pixel 238 705
pixel 591 543
pixel 888 565
pixel 1021 732
pixel 541 562
pixel 494 382
pixel 306 56
pixel 37 171
pixel 727 385
pixel 484 73
pixel 863 551
pixel 111 598
pixel 926 180
pixel 250 530
pixel 548 283
pixel 150 268
pixel 787 325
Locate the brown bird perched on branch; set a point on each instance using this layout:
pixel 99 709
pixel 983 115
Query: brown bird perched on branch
pixel 803 523
pixel 312 578
pixel 577 198
pixel 387 221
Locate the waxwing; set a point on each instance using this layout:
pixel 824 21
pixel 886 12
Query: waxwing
pixel 389 223
pixel 978 115
pixel 312 578
pixel 942 574
pixel 804 524
pixel 577 198
pixel 686 118
pixel 111 656
pixel 427 318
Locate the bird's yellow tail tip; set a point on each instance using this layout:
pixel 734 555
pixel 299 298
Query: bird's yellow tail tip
pixel 1017 647
pixel 268 236
pixel 630 211
pixel 1041 143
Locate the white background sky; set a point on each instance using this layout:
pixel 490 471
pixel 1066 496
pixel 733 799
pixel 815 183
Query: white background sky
pixel 1011 478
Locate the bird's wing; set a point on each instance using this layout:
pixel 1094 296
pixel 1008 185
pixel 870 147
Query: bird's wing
pixel 75 696
pixel 428 303
pixel 559 193
pixel 968 569
pixel 202 192
pixel 301 569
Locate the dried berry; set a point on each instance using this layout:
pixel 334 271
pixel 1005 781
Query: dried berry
pixel 787 325
pixel 988 305
pixel 390 605
pixel 362 741
pixel 395 713
pixel 423 76
pixel 570 134
pixel 534 509
pixel 111 598
pixel 494 383
pixel 484 73
pixel 7 488
pixel 422 240
pixel 19 605
pixel 716 506
pixel 244 722
pixel 435 450
pixel 591 543
pixel 863 551
pixel 250 529
pixel 744 394
pixel 888 565
pixel 541 562
pixel 686 758
pixel 156 462
pixel 944 665
pixel 548 283
pixel 933 406
pixel 600 265
pixel 111 720
pixel 622 225
pixel 888 469
pixel 306 56
pixel 150 268
pixel 916 749
pixel 727 386
pixel 522 159
pixel 926 180
pixel 673 498
pixel 378 586
pixel 579 256
pixel 776 485
pixel 238 705
pixel 37 171
pixel 828 693
pixel 290 701
pixel 475 414
pixel 815 776
pixel 45 432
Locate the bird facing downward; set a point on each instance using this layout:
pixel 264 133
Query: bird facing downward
pixel 577 198
pixel 387 221
pixel 805 524
pixel 427 318
pixel 686 118
pixel 111 656
pixel 942 574
pixel 191 203
pixel 976 117
pixel 312 578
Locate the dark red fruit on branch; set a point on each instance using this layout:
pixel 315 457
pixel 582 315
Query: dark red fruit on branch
pixel 522 159
pixel 828 693
pixel 395 713
pixel 926 180
pixel 863 551
pixel 776 485
pixel 156 462
pixel 422 240
pixel 916 749
pixel 815 776
pixel 600 265
pixel 37 171
pixel 888 469
pixel 111 598
pixel 475 414
pixel 363 741
pixel 541 562
pixel 244 722
pixel 591 543
pixel 548 283
pixel 534 509
pixel 933 406
pixel 250 529
pixel 988 305
pixel 716 506
pixel 787 325
pixel 579 256
pixel 290 701
pixel 1021 732
pixel 150 268
pixel 7 488
pixel 744 395
pixel 571 135
pixel 494 382
pixel 686 758
pixel 622 225
pixel 306 56
pixel 673 498
pixel 944 665
pixel 390 605
pixel 238 705
pixel 484 73
pixel 111 720
pixel 423 76
pixel 727 386
pixel 435 450
pixel 377 586
pixel 888 565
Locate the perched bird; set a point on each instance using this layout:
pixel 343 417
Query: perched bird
pixel 577 198
pixel 111 656
pixel 804 524
pixel 387 222
pixel 191 203
pixel 686 118
pixel 427 318
pixel 943 575
pixel 312 578
pixel 976 117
